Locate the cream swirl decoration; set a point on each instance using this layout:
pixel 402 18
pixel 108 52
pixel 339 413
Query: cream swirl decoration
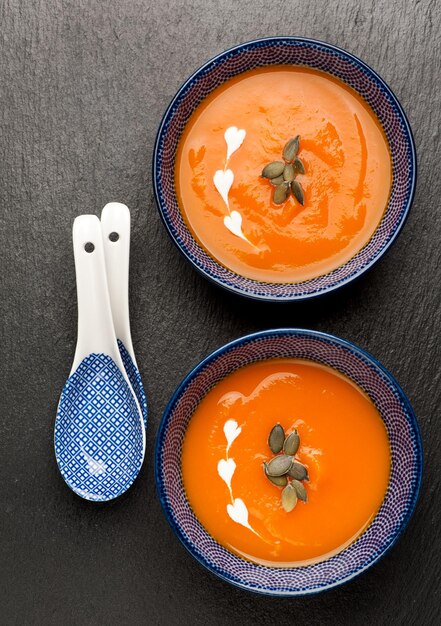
pixel 237 509
pixel 223 181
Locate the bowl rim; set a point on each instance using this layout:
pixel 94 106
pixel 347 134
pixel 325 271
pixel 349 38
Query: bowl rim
pixel 328 288
pixel 274 332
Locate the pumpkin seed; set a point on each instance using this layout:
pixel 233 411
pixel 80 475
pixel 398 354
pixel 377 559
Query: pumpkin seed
pixel 300 490
pixel 289 498
pixel 279 465
pixel 298 165
pixel 273 169
pixel 289 173
pixel 298 471
pixel 298 192
pixel 277 181
pixel 291 444
pixel 276 438
pixel 280 481
pixel 280 193
pixel 291 148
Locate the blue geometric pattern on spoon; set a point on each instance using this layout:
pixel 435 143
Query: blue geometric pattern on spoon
pixel 98 436
pixel 115 226
pixel 135 379
pixel 99 429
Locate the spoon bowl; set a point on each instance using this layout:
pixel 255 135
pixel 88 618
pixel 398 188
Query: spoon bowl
pixel 98 437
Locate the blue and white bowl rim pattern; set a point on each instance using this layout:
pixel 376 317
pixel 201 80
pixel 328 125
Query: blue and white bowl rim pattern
pixel 350 270
pixel 383 375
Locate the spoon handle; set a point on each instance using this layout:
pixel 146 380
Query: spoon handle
pixel 95 324
pixel 115 226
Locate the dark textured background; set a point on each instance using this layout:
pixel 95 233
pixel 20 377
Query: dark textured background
pixel 83 86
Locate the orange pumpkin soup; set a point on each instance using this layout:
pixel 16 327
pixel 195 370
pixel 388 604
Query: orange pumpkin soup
pixel 241 127
pixel 343 446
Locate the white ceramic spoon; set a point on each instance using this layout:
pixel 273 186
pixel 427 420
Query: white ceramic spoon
pixel 99 431
pixel 115 226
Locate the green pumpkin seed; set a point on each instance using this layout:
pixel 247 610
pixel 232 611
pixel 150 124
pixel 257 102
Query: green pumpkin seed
pixel 289 498
pixel 279 465
pixel 280 481
pixel 280 193
pixel 273 169
pixel 289 173
pixel 291 444
pixel 279 180
pixel 300 490
pixel 276 439
pixel 291 148
pixel 297 192
pixel 298 166
pixel 298 471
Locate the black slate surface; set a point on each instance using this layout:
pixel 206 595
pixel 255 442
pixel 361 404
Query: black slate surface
pixel 83 86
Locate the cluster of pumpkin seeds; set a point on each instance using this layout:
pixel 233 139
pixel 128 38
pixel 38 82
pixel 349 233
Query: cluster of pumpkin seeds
pixel 283 469
pixel 282 174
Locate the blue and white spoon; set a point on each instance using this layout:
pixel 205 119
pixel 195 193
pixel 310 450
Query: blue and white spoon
pixel 115 226
pixel 99 429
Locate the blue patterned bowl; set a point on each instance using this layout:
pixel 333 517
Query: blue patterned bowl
pixel 406 467
pixel 292 51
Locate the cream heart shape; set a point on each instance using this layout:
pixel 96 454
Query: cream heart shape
pixel 234 138
pixel 234 224
pixel 223 180
pixel 231 431
pixel 239 512
pixel 226 470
